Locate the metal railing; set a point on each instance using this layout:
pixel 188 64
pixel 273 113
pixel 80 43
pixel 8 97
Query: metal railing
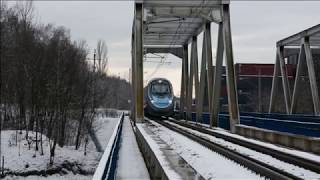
pixel 108 163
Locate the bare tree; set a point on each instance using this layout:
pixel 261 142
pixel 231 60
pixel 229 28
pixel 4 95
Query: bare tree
pixel 102 57
pixel 25 10
pixel 46 82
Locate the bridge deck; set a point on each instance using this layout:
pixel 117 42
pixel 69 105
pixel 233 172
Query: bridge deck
pixel 130 163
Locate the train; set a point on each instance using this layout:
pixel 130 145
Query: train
pixel 159 98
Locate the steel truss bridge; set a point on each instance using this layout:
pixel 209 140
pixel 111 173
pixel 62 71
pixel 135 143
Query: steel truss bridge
pixel 164 26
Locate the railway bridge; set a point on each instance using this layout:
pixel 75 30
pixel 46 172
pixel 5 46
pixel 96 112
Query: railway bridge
pixel 205 145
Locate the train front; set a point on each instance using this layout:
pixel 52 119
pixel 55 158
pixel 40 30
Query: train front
pixel 159 98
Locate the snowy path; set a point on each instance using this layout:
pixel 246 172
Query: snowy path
pixel 130 164
pixel 209 164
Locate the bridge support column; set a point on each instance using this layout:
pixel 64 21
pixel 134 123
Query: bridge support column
pixel 138 61
pixel 202 79
pixel 133 83
pixel 285 81
pixel 206 72
pixel 184 82
pixel 182 95
pixel 193 76
pixel 297 84
pixel 215 102
pixel 196 72
pixel 231 81
pixel 275 84
pixel 209 63
pixel 312 77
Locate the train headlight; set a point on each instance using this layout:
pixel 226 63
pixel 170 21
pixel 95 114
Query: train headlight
pixel 153 101
pixel 170 101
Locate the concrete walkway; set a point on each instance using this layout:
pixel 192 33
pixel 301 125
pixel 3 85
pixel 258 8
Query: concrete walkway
pixel 130 164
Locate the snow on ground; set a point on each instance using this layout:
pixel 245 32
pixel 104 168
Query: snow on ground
pixel 129 152
pixel 18 158
pixel 30 160
pixel 209 164
pixel 292 169
pixel 69 176
pixel 104 127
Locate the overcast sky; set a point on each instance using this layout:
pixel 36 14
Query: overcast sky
pixel 256 26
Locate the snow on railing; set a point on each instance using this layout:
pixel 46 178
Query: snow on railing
pixel 108 163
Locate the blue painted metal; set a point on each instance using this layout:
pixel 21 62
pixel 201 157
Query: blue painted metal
pixel 296 124
pixel 111 167
pixel 294 117
pixel 283 125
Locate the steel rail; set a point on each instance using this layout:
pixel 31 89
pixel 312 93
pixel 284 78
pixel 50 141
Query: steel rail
pixel 249 162
pixel 283 156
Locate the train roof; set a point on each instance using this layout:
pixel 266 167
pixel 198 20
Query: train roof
pixel 156 79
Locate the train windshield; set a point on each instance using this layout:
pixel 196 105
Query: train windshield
pixel 160 89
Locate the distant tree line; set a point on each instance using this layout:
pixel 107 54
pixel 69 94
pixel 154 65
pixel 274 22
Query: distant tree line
pixel 48 85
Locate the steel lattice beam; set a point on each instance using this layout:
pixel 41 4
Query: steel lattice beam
pixel 304 44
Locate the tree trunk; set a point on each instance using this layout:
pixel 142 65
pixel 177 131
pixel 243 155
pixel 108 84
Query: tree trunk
pixel 79 128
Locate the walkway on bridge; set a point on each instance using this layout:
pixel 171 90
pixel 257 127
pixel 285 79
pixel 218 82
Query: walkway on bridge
pixel 130 163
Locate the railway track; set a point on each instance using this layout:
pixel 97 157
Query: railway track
pixel 283 156
pixel 251 163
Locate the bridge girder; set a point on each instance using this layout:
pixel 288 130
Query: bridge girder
pixel 169 26
pixel 303 45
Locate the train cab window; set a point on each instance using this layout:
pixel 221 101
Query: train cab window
pixel 160 89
